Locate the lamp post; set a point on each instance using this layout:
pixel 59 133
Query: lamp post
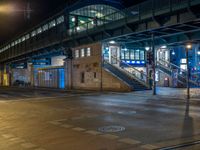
pixel 188 47
pixel 154 64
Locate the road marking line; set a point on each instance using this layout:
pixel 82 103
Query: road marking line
pixel 77 118
pixel 78 129
pixel 60 120
pixel 129 141
pixel 17 140
pixel 149 147
pixel 5 127
pixel 93 132
pixel 28 145
pixel 8 136
pixel 39 149
pixel 66 126
pixel 110 136
pixel 55 123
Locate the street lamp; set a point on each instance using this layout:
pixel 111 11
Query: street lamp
pixel 147 48
pixel 188 47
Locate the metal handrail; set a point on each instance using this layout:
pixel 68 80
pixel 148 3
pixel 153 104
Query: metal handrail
pixel 183 70
pixel 167 62
pixel 182 76
pixel 144 82
pixel 130 74
pixel 171 64
pixel 129 66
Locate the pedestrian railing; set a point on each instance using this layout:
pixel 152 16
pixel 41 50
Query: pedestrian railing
pixel 138 75
pixel 181 73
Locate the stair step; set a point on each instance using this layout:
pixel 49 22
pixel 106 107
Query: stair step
pixel 137 86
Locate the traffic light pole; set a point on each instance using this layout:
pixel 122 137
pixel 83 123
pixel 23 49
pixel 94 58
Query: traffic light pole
pixel 154 64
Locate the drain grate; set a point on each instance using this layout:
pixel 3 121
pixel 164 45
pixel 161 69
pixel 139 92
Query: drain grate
pixel 111 129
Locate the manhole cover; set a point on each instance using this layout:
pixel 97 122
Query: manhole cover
pixel 109 129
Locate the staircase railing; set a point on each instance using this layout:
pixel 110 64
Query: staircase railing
pixel 131 71
pixel 182 73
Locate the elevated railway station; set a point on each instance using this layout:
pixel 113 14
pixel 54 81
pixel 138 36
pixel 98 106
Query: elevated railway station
pixel 102 45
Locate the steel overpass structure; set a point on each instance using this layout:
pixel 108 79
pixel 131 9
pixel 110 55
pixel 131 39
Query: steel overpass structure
pixel 170 21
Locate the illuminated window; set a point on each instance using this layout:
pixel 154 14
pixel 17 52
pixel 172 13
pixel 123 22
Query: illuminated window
pixel 183 61
pixel 27 36
pixel 82 52
pixel 132 55
pixel 39 30
pixel 45 27
pixel 122 55
pixel 183 66
pixel 19 40
pixel 137 54
pixel 13 44
pixel 60 20
pixel 141 55
pixel 23 38
pixel 127 56
pixel 33 33
pixel 52 24
pixel 76 53
pixel 88 51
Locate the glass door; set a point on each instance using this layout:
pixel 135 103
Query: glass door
pixel 114 55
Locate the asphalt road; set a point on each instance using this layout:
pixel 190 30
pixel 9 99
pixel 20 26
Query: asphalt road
pixel 49 120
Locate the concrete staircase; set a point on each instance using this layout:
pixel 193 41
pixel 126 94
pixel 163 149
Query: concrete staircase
pixel 168 67
pixel 135 83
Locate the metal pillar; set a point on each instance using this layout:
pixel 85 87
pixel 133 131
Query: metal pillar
pixel 188 74
pixel 154 64
pixel 102 63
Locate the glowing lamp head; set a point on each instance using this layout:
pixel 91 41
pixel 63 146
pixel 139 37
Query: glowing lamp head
pixel 112 42
pixel 147 48
pixel 189 46
pixel 164 47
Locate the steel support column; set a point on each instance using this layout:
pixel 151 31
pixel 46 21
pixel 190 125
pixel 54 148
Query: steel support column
pixel 154 63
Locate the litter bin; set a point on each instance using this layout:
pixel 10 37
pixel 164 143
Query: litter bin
pixel 166 82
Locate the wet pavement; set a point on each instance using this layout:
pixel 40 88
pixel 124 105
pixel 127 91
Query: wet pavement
pixel 49 120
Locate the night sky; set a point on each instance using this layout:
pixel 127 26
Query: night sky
pixel 15 23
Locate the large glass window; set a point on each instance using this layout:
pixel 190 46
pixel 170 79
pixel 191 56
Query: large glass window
pixel 27 36
pixel 45 27
pixel 142 57
pixel 127 56
pixel 19 40
pixel 82 52
pixel 137 55
pixel 60 20
pixel 76 53
pixel 33 33
pixel 88 51
pixel 122 55
pixel 39 30
pixel 23 38
pixel 52 24
pixel 132 54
